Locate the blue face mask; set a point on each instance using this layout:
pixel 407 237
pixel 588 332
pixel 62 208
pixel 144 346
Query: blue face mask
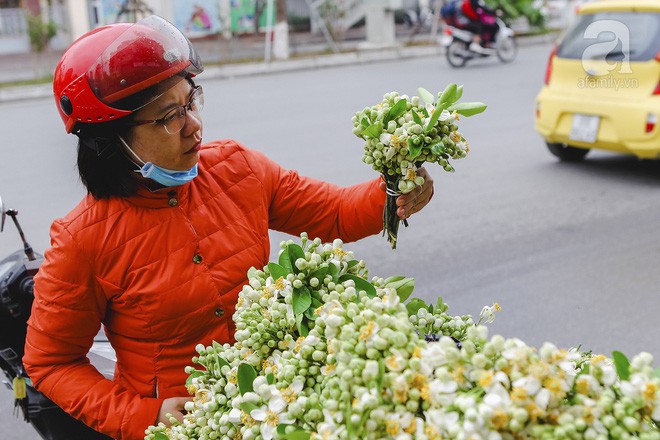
pixel 167 177
pixel 162 175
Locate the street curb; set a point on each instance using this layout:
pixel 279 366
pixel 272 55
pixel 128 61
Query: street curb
pixel 236 70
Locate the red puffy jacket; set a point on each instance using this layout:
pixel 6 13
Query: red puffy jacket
pixel 162 271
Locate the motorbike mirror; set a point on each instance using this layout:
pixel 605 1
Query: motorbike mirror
pixel 2 216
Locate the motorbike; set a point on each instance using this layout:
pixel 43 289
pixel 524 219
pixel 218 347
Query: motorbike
pixel 17 272
pixel 457 41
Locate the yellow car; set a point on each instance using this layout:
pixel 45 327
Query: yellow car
pixel 602 82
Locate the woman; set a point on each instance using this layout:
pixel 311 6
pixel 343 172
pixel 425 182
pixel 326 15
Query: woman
pixel 159 249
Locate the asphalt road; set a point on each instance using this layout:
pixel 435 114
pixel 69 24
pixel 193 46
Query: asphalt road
pixel 570 251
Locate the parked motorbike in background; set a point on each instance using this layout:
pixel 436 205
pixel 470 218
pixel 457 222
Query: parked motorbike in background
pixel 17 271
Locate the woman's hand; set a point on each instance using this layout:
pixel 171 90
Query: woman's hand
pixel 174 406
pixel 415 200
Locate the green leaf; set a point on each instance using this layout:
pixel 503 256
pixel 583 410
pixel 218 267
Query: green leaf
pixel 352 263
pixel 373 131
pixel 414 150
pixel 334 271
pixel 459 93
pixel 277 271
pixel 309 313
pixel 246 375
pixel 295 252
pixel 393 279
pixel 438 148
pixel 320 273
pixel 248 407
pixel 364 122
pixel 434 118
pixel 301 324
pixel 468 108
pixel 360 284
pixel 414 305
pixel 622 365
pixel 302 299
pixel 193 375
pixel 425 112
pixel 295 435
pixel 404 288
pixel 440 304
pixel 270 379
pixel 426 96
pixel 285 261
pixel 416 118
pixel 160 436
pixel 396 111
pixel 448 96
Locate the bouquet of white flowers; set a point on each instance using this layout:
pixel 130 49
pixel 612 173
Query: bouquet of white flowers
pixel 322 352
pixel 401 133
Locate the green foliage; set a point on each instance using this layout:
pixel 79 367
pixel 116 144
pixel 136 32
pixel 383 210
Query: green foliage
pixel 519 8
pixel 40 31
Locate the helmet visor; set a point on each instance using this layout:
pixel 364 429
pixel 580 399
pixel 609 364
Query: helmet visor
pixel 151 56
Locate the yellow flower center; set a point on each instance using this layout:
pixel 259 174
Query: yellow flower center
pixel 392 427
pixel 392 363
pixel 339 253
pixel 553 385
pixel 431 432
pixel 298 344
pixel 458 375
pixel 411 174
pixel 267 292
pixel 499 419
pixel 240 302
pixel 368 331
pixel 232 377
pixel 598 359
pixel 279 284
pixel 486 379
pixel 328 369
pixel 246 419
pixel 518 394
pixel 272 418
pixel 417 352
pixel 289 395
pixel 582 385
pixel 649 392
pixel 419 381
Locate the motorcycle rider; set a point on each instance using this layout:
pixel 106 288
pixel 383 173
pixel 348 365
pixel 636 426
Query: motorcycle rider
pixel 482 24
pixel 159 248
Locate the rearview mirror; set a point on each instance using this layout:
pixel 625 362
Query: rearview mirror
pixel 2 216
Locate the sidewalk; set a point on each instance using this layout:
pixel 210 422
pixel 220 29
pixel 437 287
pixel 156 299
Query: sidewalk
pixel 244 55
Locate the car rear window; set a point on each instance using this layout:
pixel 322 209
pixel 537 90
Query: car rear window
pixel 612 36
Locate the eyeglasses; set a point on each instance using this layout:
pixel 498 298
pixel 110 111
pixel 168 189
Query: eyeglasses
pixel 175 119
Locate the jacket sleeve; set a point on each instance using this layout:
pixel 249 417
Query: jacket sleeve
pixel 303 204
pixel 66 315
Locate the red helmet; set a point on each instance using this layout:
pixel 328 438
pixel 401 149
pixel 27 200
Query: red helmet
pixel 102 70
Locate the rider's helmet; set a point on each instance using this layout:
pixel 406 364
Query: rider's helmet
pixel 114 70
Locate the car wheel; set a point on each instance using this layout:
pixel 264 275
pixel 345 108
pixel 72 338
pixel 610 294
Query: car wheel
pixel 566 153
pixel 456 53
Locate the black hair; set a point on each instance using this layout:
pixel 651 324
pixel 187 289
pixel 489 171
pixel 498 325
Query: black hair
pixel 103 166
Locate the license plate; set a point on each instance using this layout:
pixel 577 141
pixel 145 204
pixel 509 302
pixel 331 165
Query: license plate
pixel 584 128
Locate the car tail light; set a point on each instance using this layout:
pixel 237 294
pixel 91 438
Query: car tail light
pixel 651 121
pixel 548 69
